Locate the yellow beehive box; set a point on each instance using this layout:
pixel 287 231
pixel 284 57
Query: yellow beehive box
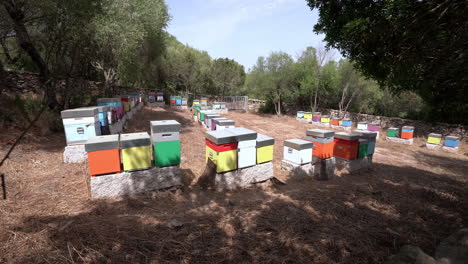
pixel 225 161
pixel 264 148
pixel 136 151
pixel 434 139
pixel 308 115
pixel 325 119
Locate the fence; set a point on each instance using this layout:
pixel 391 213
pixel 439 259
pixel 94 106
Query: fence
pixel 232 102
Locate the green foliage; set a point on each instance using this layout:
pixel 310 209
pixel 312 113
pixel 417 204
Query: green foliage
pixel 417 46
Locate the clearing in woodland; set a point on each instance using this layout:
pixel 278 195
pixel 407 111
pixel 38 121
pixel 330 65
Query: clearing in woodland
pixel 410 196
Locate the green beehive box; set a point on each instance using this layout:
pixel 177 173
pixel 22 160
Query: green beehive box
pixel 392 132
pixel 202 116
pixel 363 146
pixel 166 153
pixel 197 108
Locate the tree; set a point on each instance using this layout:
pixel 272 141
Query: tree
pixel 279 78
pixel 227 74
pixel 405 45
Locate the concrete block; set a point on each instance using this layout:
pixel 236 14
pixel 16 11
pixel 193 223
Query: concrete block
pixel 449 149
pixel 75 154
pixel 433 146
pixel 296 170
pixel 128 183
pixel 325 169
pixel 355 164
pixel 400 140
pixel 195 118
pixel 315 123
pixel 243 178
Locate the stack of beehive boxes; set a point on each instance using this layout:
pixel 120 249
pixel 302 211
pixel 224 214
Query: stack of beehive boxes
pixel 323 142
pixel 405 137
pixel 220 124
pixel 451 143
pixel 80 124
pixel 325 121
pixel 297 152
pixel 136 151
pixel 208 122
pixel 316 118
pixel 165 135
pixel 237 148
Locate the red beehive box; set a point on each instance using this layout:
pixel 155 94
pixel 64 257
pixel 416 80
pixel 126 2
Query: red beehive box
pixel 221 147
pixel 103 154
pixel 346 146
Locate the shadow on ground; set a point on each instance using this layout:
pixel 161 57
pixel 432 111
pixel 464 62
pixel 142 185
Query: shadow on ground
pixel 356 218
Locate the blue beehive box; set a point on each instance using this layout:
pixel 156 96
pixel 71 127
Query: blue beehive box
pixel 347 123
pixel 80 124
pixel 178 100
pixel 451 141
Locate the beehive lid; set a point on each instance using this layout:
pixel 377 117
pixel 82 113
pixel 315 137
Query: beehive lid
pixel 317 113
pixel 346 136
pixel 161 126
pixel 209 116
pixel 300 111
pixel 435 135
pixel 309 113
pixel 393 129
pixel 375 124
pixel 325 116
pixel 196 100
pixel 409 127
pixel 102 143
pixel 263 140
pixel 218 118
pixel 80 112
pixel 347 119
pixel 452 138
pixel 364 123
pixel 336 118
pixel 116 100
pixel 243 134
pixel 298 144
pixel 365 133
pixel 220 137
pixel 225 122
pixel 320 133
pixel 134 140
pixel 363 141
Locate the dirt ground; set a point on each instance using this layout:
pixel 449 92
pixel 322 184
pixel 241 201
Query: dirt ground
pixel 410 196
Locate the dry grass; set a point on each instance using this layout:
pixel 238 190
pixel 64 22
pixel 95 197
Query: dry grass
pixel 411 196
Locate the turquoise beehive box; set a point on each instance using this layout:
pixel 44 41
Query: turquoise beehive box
pixel 80 124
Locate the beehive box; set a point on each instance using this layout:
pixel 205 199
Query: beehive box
pixel 393 132
pixel 213 122
pixel 451 141
pixel 325 119
pixel 136 151
pixel 362 126
pixel 308 115
pixel 297 151
pixel 103 154
pixel 221 149
pixel 346 145
pixel 347 123
pixel 80 124
pixel 165 135
pixel 300 114
pixel 208 119
pixel 246 146
pixel 434 138
pixel 363 147
pixel 407 132
pixel 265 148
pixel 323 142
pixel 370 136
pixel 224 124
pixel 316 116
pixel 375 127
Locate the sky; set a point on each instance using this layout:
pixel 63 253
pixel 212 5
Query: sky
pixel 243 30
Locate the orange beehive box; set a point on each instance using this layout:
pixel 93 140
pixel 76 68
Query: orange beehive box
pixel 407 132
pixel 103 155
pixel 335 122
pixel 323 142
pixel 346 146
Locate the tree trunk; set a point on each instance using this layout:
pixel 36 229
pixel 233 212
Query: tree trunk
pixel 16 13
